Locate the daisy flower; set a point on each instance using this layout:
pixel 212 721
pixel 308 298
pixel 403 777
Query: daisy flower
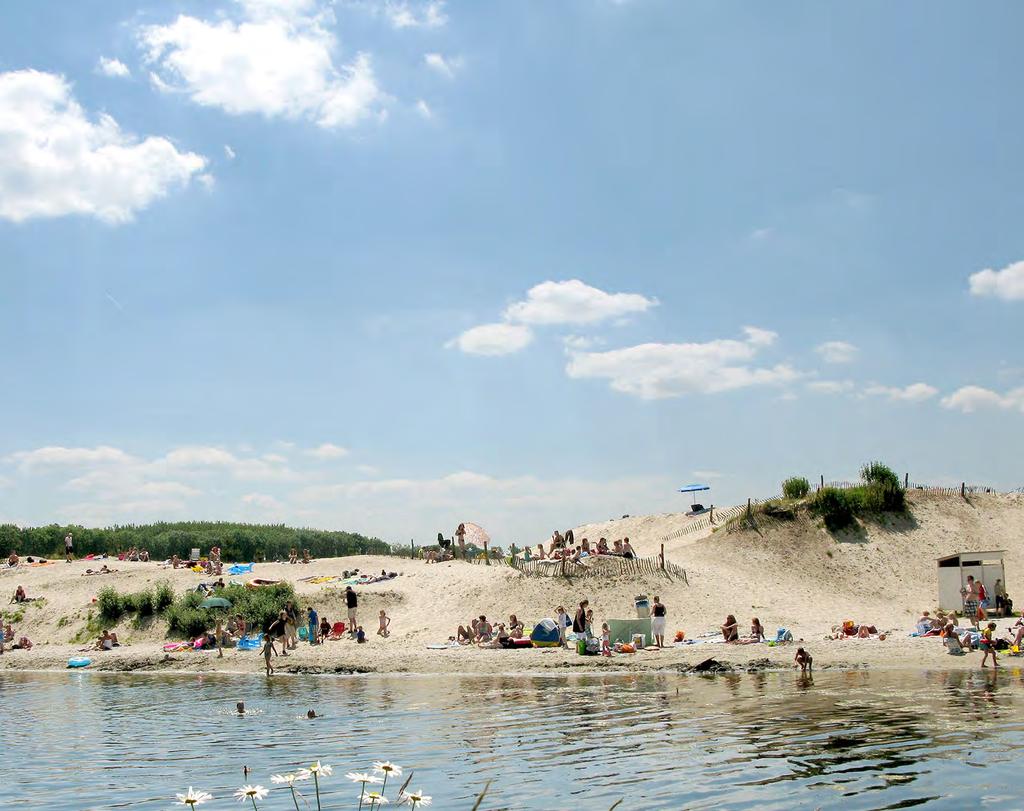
pixel 255 792
pixel 357 777
pixel 192 798
pixel 288 779
pixel 415 799
pixel 374 798
pixel 318 769
pixel 387 768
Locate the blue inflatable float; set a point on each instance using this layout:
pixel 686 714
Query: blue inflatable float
pixel 79 661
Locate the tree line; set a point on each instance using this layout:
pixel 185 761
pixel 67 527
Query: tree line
pixel 238 542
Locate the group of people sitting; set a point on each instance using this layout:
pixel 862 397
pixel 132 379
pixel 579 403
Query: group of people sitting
pixel 731 631
pixel 564 547
pixel 7 638
pixel 850 629
pixel 293 556
pixel 480 632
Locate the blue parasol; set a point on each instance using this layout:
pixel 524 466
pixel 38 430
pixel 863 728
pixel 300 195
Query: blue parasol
pixel 694 488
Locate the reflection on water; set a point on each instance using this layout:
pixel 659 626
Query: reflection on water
pixel 854 740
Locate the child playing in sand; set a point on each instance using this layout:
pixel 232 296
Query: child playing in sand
pixel 606 640
pixel 385 621
pixel 360 635
pixel 268 649
pixel 804 659
pixel 987 645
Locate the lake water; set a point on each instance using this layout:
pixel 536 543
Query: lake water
pixel 853 740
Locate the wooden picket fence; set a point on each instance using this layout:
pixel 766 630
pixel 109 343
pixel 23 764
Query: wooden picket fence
pixel 716 519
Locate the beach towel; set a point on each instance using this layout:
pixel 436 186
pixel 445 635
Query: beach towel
pixel 238 568
pixel 783 635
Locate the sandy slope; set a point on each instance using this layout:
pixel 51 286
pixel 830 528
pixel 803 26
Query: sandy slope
pixel 794 575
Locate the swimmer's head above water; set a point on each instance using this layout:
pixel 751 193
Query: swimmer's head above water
pixel 240 706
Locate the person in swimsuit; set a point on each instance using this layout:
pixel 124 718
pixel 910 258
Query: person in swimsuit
pixel 385 621
pixel 658 613
pixel 579 621
pixel 730 630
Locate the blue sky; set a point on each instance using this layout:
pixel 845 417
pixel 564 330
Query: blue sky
pixel 391 266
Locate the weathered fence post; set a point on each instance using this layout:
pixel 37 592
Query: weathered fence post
pixel 562 566
pixel 822 481
pixel 963 489
pixel 662 557
pixel 749 513
pixel 412 548
pixel 487 555
pixel 906 481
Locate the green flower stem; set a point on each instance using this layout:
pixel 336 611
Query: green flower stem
pixel 362 791
pixel 316 783
pixel 253 803
pixel 294 798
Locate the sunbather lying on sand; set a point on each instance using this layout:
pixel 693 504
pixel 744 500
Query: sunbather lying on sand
pixel 104 569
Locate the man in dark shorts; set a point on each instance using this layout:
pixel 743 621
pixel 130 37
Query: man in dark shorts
pixel 351 602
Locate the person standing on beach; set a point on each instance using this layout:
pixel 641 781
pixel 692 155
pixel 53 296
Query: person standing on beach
pixel 579 622
pixel 562 618
pixel 658 622
pixel 969 592
pixel 268 650
pixel 291 625
pixel 314 624
pixel 278 630
pixel 69 548
pixel 352 604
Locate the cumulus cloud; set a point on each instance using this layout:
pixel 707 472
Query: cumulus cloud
pixel 415 15
pixel 277 61
pixel 424 109
pixel 837 351
pixel 573 302
pixel 1006 284
pixel 550 303
pixel 446 66
pixel 914 393
pixel 114 68
pixel 55 160
pixel 493 339
pixel 327 451
pixel 656 370
pixel 969 399
pixel 831 386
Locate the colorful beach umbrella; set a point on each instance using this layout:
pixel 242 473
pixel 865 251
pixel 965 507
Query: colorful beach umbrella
pixel 476 535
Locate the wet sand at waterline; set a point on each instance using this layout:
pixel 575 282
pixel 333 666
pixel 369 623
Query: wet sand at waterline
pixel 793 575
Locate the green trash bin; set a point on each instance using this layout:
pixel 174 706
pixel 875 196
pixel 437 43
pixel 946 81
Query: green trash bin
pixel 581 647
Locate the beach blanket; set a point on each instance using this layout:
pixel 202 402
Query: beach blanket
pixel 175 647
pixel 239 568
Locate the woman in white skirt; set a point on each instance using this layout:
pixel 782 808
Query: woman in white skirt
pixel 658 622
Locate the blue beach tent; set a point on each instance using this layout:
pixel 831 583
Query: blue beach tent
pixel 545 634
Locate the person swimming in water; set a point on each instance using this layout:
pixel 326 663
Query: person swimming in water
pixel 311 714
pixel 240 707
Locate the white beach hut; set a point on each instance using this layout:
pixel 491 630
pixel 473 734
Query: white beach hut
pixel 954 569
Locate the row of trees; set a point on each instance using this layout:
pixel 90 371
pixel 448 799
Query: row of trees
pixel 241 542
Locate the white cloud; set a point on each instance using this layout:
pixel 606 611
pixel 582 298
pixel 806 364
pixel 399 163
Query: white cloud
pixel 837 351
pixel 229 153
pixel 404 14
pixel 59 456
pixel 573 302
pixel 424 109
pixel 327 451
pixel 203 459
pixel 654 371
pixel 55 161
pixel 1006 284
pixel 114 68
pixel 761 234
pixel 277 61
pixel 550 303
pixel 831 386
pixel 708 474
pixel 577 342
pixel 493 339
pixel 444 65
pixel 262 500
pixel 969 399
pixel 914 393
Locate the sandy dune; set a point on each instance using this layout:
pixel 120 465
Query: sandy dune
pixel 793 574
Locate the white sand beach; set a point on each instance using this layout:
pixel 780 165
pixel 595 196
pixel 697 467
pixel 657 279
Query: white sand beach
pixel 791 574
